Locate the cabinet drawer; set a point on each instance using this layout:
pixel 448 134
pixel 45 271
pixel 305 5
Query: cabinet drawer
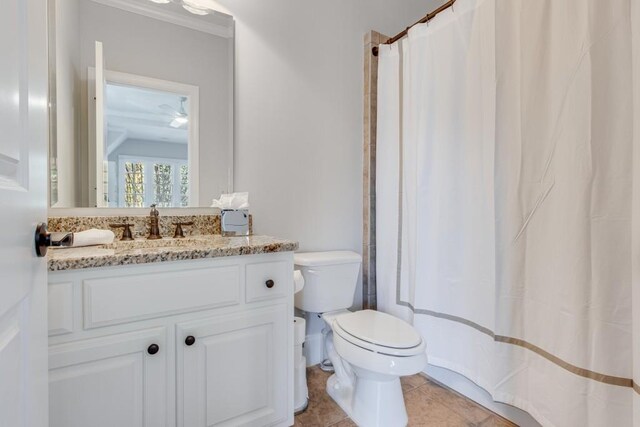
pixel 267 280
pixel 114 300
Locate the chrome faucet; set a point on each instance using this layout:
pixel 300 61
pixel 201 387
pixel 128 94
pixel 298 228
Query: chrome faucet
pixel 154 224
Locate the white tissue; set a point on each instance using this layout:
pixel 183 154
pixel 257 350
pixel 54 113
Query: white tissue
pixel 298 281
pixel 232 201
pixel 93 237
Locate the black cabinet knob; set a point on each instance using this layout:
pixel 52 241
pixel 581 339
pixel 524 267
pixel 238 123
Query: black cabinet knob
pixel 153 349
pixel 270 283
pixel 190 340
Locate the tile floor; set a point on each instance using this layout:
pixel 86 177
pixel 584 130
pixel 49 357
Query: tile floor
pixel 428 404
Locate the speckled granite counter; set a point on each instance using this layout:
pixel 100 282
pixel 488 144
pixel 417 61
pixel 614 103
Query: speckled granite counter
pixel 143 251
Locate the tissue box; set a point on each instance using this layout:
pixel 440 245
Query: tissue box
pixel 234 222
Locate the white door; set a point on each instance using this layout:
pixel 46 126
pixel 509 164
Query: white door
pixel 23 203
pixel 232 370
pixel 119 380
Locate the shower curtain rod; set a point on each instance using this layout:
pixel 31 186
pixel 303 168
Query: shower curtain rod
pixel 424 20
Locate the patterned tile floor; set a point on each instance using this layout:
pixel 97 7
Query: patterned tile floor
pixel 428 404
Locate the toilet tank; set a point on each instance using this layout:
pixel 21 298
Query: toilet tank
pixel 330 280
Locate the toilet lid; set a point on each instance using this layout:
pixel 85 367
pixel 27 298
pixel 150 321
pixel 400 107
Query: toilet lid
pixel 317 259
pixel 380 329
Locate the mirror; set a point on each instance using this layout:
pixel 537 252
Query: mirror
pixel 141 104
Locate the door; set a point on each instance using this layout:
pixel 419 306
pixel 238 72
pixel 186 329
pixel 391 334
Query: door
pixel 23 203
pixel 232 370
pixel 118 380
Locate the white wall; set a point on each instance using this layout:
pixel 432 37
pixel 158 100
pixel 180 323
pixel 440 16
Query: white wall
pixel 299 106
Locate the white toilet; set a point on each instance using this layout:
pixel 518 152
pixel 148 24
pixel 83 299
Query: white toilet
pixel 369 350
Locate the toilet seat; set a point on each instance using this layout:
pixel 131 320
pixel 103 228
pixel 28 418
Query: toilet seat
pixel 379 333
pixel 380 360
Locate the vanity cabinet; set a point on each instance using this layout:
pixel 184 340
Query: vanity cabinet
pixel 116 380
pixel 189 344
pixel 229 369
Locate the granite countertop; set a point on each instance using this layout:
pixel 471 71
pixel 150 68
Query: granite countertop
pixel 142 251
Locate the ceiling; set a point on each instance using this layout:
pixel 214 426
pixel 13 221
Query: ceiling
pixel 135 113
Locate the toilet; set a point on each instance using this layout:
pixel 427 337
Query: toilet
pixel 369 350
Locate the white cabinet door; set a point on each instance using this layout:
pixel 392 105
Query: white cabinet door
pixel 235 373
pixel 110 381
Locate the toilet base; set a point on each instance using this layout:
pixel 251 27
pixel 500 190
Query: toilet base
pixel 375 400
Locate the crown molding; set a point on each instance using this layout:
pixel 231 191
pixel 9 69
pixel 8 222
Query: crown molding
pixel 225 30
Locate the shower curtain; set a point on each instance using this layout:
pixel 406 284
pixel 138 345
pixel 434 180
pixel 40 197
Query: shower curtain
pixel 508 201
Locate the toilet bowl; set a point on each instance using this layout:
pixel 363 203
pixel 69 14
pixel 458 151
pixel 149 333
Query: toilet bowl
pixel 369 350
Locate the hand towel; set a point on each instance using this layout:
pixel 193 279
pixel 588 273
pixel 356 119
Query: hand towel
pixel 93 237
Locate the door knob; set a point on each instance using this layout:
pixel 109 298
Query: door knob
pixel 270 283
pixel 190 340
pixel 44 239
pixel 153 349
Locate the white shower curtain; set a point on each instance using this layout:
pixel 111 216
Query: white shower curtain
pixel 508 201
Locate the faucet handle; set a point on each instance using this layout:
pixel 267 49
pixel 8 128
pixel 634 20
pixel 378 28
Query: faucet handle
pixel 179 234
pixel 126 232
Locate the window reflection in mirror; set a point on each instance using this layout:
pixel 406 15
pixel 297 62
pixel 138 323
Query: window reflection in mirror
pixel 147 144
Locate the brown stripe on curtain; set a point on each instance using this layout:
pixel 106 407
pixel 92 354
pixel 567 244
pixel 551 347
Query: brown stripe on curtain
pixel 585 373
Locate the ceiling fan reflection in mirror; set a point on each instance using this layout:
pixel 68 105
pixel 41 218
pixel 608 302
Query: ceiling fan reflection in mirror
pixel 180 118
pixel 197 7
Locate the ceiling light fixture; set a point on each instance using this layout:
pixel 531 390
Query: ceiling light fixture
pixel 194 7
pixel 197 7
